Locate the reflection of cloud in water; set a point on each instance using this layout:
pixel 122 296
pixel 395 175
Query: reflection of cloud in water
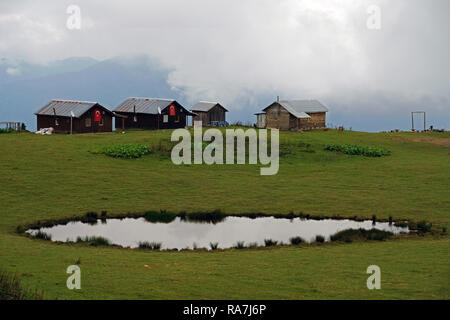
pixel 181 234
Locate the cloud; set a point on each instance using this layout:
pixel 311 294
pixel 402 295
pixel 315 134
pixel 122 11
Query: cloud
pixel 235 51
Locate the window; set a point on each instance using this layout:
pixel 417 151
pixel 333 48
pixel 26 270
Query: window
pixel 101 122
pixel 88 122
pixel 56 122
pixel 165 118
pixel 177 118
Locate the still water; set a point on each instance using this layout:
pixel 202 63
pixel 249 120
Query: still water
pixel 181 234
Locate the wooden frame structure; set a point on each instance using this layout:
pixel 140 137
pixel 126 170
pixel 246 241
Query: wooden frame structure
pixel 424 120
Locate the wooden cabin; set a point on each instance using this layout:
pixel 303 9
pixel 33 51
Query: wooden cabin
pixel 294 115
pixel 209 113
pixel 150 113
pixel 66 116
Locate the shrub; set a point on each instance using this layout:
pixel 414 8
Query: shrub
pixel 150 245
pixel 270 242
pixel 353 149
pixel 349 235
pixel 239 245
pixel 208 217
pixel 296 240
pixel 423 226
pixel 12 289
pixel 320 239
pixel 162 216
pixel 90 217
pixel 127 151
pixel 42 235
pixel 214 245
pixel 94 241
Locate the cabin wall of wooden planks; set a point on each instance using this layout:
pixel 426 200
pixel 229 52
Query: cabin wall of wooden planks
pixel 278 117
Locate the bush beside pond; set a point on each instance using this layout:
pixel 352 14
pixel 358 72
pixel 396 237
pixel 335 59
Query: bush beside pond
pixel 350 235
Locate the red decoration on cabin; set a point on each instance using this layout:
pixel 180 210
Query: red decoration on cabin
pixel 172 110
pixel 97 115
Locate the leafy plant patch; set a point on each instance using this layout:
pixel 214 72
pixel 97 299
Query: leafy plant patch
pixel 354 149
pixel 127 151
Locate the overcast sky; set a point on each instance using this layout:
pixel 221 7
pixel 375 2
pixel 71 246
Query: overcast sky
pixel 231 49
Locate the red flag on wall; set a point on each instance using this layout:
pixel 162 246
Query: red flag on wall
pixel 97 115
pixel 172 110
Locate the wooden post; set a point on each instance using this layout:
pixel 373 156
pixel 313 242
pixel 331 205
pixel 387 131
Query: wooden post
pixel 424 121
pixel 412 121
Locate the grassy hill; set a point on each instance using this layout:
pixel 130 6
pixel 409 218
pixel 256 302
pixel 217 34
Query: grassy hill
pixel 59 176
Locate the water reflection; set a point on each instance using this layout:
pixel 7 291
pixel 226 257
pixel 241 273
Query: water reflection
pixel 182 233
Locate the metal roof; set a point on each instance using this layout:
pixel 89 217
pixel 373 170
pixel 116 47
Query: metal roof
pixel 300 108
pixel 205 106
pixel 143 105
pixel 63 108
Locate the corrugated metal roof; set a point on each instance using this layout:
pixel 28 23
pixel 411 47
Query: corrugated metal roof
pixel 205 106
pixel 143 105
pixel 63 108
pixel 300 108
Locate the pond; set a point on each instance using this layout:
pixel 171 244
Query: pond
pixel 181 233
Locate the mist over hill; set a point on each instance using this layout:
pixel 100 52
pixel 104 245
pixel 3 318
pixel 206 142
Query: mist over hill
pixel 25 87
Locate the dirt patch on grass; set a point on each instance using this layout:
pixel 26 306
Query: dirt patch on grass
pixel 445 142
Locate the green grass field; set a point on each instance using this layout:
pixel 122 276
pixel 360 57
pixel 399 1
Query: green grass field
pixel 60 176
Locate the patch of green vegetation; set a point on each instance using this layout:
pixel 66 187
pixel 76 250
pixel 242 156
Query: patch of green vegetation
pixel 296 240
pixel 270 242
pixel 11 288
pixel 150 245
pixel 424 226
pixel 207 217
pixel 320 239
pixel 162 216
pixel 94 241
pixel 354 149
pixel 351 235
pixel 213 245
pixel 239 245
pixel 127 151
pixel 42 235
